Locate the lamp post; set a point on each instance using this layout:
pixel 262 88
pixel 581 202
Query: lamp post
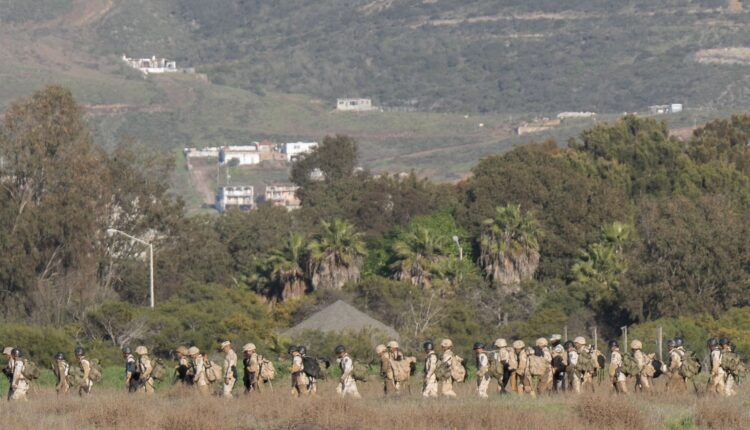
pixel 460 249
pixel 150 258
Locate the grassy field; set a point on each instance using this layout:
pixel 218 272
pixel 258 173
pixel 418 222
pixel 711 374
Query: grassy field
pixel 173 407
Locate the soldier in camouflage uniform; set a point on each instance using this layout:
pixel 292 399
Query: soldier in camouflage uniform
pixel 61 369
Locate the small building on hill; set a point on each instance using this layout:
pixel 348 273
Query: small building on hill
pixel 354 105
pixel 247 155
pixel 341 317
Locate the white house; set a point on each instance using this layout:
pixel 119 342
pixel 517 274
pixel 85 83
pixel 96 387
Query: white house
pixel 245 155
pixel 207 152
pixel 241 197
pixel 354 105
pixel 151 65
pixel 283 195
pixel 294 150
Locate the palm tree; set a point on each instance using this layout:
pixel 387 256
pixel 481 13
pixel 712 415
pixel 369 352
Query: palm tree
pixel 509 247
pixel 336 255
pixel 418 256
pixel 286 267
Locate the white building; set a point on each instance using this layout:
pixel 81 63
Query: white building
pixel 294 150
pixel 151 65
pixel 245 155
pixel 283 195
pixel 354 105
pixel 208 152
pixel 240 197
pixel 663 109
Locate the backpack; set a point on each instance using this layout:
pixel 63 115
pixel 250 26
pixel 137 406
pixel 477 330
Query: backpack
pixel 30 370
pixel 267 371
pixel 360 372
pixel 599 360
pixel 442 371
pixel 213 371
pixel 629 365
pixel 585 362
pixel 95 371
pixel 159 371
pixel 401 369
pixel 537 365
pixel 512 360
pixel 497 370
pixel 311 367
pixel 656 365
pixel 458 370
pixel 732 364
pixel 691 366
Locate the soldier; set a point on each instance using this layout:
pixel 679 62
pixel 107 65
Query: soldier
pixel 447 360
pixel 182 369
pixel 386 371
pixel 61 369
pixel 502 354
pixel 539 370
pixel 675 381
pixel 483 370
pixel 19 384
pixel 8 369
pixel 430 388
pixel 85 366
pixel 312 382
pixel 574 376
pixel 394 355
pixel 198 370
pixel 559 363
pixel 519 349
pixel 132 374
pixel 643 378
pixel 618 378
pixel 230 368
pixel 726 346
pixel 252 368
pixel 717 378
pixel 347 385
pixel 585 353
pixel 145 368
pixel 299 379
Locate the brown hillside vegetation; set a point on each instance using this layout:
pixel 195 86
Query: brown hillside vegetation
pixel 172 409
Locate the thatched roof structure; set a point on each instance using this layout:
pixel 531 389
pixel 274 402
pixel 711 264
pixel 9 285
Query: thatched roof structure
pixel 338 317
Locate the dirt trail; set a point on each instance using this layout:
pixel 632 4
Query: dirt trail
pixel 201 176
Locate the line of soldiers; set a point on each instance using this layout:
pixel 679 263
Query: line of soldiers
pixel 20 376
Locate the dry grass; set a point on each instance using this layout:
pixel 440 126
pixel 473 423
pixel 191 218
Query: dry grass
pixel 171 408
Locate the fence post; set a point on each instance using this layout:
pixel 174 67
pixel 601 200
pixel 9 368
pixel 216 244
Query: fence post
pixel 660 334
pixel 565 333
pixel 625 336
pixel 596 340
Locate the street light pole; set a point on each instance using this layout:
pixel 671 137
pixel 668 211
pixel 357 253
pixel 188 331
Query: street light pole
pixel 150 259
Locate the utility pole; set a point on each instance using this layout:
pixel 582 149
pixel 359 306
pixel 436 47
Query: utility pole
pixel 625 336
pixel 659 340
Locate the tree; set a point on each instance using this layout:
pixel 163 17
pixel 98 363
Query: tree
pixel 336 255
pixel 509 247
pixel 286 267
pixel 419 256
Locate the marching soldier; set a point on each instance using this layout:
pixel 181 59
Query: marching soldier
pixel 519 349
pixel 145 368
pixel 574 376
pixel 198 369
pixel 559 363
pixel 586 375
pixel 312 382
pixel 726 346
pixel 132 374
pixel 61 369
pixel 675 382
pixel 230 368
pixel 19 384
pixel 430 388
pixel 505 355
pixel 539 369
pixel 182 369
pixel 85 366
pixel 394 355
pixel 717 380
pixel 447 360
pixel 643 378
pixel 299 379
pixel 8 369
pixel 386 371
pixel 252 368
pixel 347 385
pixel 618 378
pixel 483 370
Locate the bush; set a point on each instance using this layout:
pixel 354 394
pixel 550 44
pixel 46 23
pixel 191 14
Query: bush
pixel 610 412
pixel 718 414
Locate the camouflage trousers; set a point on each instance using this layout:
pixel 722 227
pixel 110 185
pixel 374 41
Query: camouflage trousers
pixel 19 392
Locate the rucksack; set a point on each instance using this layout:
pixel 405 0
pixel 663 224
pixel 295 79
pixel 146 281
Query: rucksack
pixel 691 366
pixel 512 360
pixel 213 371
pixel 311 367
pixel 267 371
pixel 30 370
pixel 656 365
pixel 732 364
pixel 537 365
pixel 402 368
pixel 360 372
pixel 585 362
pixel 95 371
pixel 629 365
pixel 497 369
pixel 599 361
pixel 442 371
pixel 159 371
pixel 458 370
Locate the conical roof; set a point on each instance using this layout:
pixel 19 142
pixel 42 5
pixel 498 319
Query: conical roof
pixel 340 316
